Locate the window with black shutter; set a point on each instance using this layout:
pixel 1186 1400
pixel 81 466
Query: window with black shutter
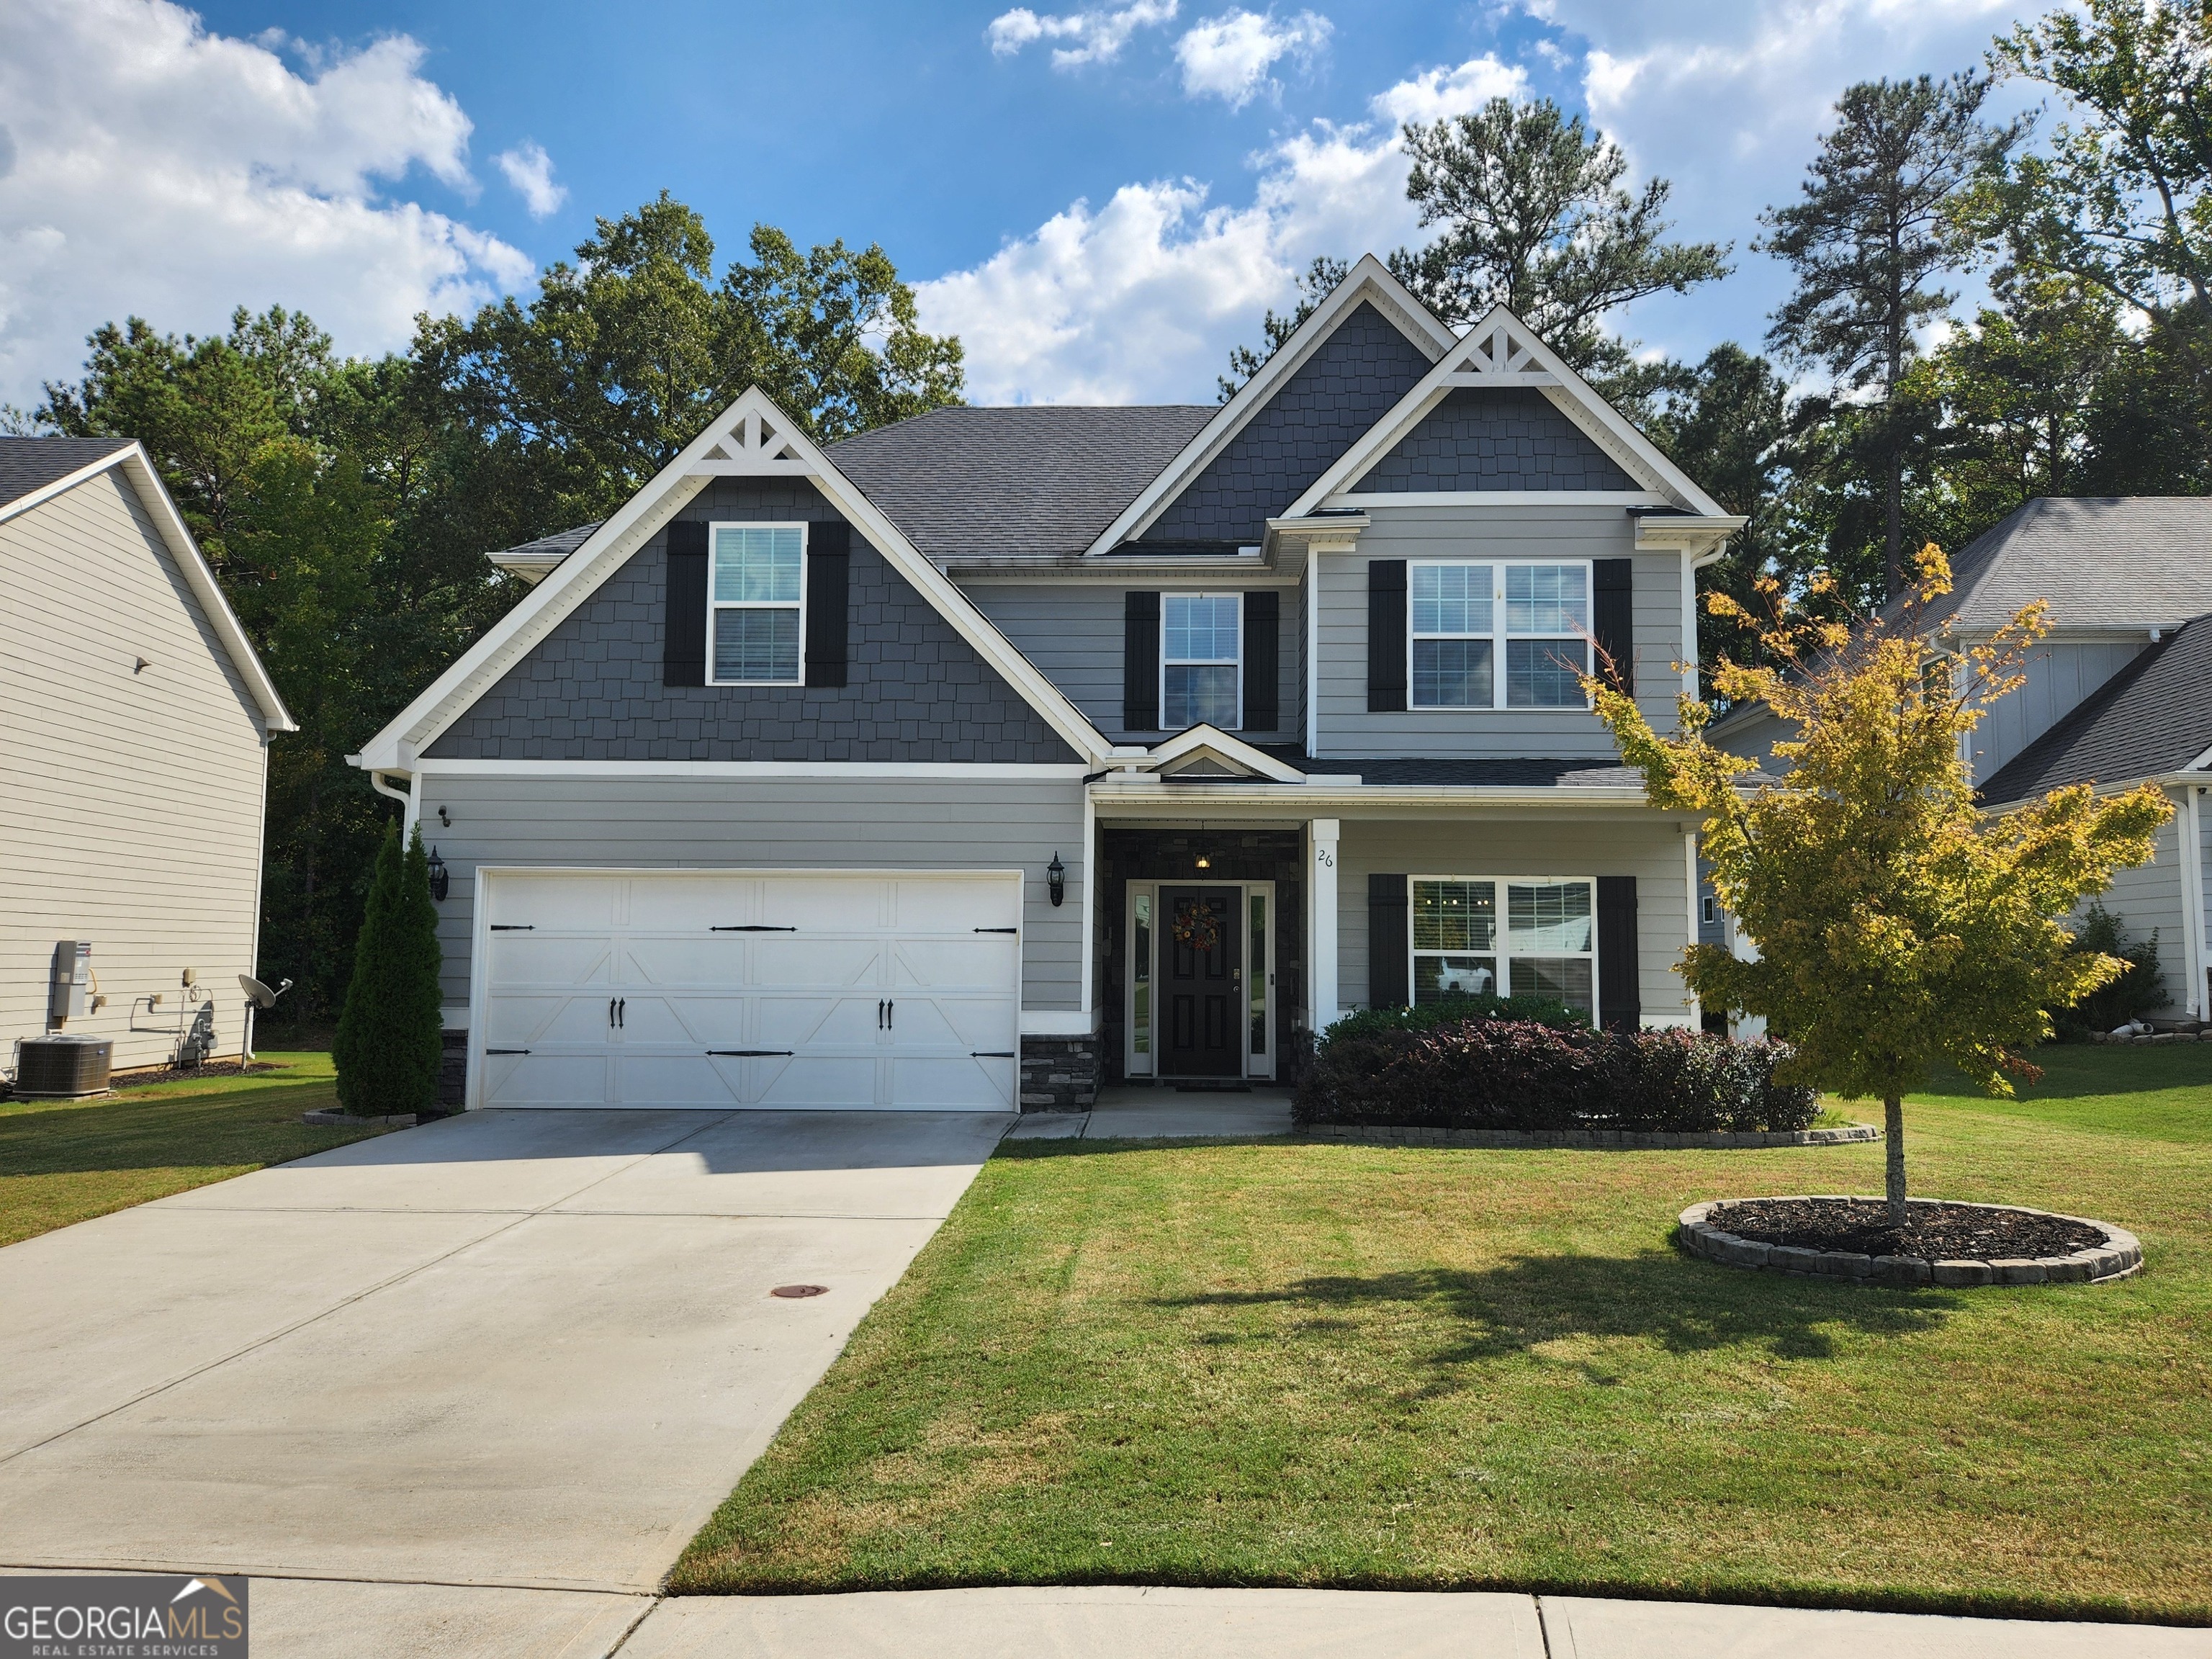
pixel 1387 944
pixel 1263 648
pixel 1386 636
pixel 829 581
pixel 1613 616
pixel 1141 662
pixel 684 607
pixel 1619 996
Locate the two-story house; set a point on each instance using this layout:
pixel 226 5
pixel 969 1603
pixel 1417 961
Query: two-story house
pixel 2118 694
pixel 960 762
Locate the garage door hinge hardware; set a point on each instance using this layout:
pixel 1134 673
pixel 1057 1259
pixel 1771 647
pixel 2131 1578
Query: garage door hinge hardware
pixel 754 1054
pixel 506 1051
pixel 990 1053
pixel 752 927
pixel 998 930
pixel 514 927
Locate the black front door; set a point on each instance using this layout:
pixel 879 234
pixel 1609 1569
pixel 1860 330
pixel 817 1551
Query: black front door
pixel 1201 983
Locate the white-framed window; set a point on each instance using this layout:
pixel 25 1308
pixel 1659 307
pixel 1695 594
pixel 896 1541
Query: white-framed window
pixel 757 604
pixel 1709 909
pixel 1202 660
pixel 1499 633
pixel 1505 936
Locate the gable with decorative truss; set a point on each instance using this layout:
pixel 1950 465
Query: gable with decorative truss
pixel 1501 411
pixel 752 441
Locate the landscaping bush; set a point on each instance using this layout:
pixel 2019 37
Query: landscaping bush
pixel 389 1042
pixel 1522 1074
pixel 1458 1007
pixel 2135 993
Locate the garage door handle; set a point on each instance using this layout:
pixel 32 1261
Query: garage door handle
pixel 752 927
pixel 998 930
pixel 506 1051
pixel 754 1054
pixel 990 1053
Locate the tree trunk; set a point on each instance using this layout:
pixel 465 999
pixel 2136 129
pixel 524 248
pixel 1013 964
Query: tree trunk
pixel 1893 539
pixel 1892 1114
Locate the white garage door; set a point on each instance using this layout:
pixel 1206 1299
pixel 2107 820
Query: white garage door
pixel 698 989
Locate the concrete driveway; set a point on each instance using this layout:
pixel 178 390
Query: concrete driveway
pixel 510 1352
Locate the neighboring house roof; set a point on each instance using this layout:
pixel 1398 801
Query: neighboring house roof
pixel 535 560
pixel 2153 718
pixel 27 465
pixel 1032 481
pixel 2119 562
pixel 34 470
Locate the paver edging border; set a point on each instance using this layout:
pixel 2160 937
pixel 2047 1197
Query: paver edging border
pixel 2120 1256
pixel 1625 1139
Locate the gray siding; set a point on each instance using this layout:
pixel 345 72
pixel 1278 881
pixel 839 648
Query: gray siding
pixel 592 689
pixel 1351 381
pixel 2057 677
pixel 779 823
pixel 1638 844
pixel 1516 532
pixel 2149 897
pixel 1073 632
pixel 1515 439
pixel 131 803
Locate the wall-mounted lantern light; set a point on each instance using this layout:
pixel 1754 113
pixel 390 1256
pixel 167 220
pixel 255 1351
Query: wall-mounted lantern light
pixel 443 819
pixel 1204 862
pixel 1055 879
pixel 441 879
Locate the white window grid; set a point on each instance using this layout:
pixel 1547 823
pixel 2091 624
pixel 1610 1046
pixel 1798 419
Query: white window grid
pixel 1500 634
pixel 715 606
pixel 1501 949
pixel 1168 661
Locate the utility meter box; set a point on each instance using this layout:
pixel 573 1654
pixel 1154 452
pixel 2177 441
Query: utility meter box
pixel 70 994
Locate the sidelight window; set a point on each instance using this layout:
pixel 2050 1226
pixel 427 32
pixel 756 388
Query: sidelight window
pixel 757 593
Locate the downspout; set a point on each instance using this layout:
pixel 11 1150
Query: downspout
pixel 1313 652
pixel 2192 896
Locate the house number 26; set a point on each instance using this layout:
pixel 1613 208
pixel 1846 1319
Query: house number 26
pixel 1326 859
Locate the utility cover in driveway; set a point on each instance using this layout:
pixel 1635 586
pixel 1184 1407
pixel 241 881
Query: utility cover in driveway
pixel 696 988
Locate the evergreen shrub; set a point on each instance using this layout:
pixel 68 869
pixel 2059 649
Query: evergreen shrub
pixel 390 1036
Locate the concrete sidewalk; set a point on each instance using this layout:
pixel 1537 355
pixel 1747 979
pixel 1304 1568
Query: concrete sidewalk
pixel 1165 1113
pixel 1109 1622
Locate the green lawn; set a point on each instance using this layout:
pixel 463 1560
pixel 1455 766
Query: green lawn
pixel 63 1161
pixel 1329 1365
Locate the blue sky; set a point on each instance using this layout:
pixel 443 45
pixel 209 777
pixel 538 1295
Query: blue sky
pixel 1100 200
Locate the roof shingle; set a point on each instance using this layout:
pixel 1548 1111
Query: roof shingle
pixel 29 464
pixel 2127 562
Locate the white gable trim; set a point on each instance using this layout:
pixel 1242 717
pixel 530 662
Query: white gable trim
pixel 177 537
pixel 752 438
pixel 1223 746
pixel 1369 281
pixel 1502 351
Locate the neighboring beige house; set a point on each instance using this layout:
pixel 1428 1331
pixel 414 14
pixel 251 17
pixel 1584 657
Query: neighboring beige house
pixel 135 721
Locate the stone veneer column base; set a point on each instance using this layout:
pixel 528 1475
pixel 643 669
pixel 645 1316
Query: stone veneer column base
pixel 1060 1074
pixel 453 1071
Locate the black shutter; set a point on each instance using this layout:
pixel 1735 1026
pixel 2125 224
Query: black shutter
pixel 1387 963
pixel 829 567
pixel 1619 1002
pixel 1613 617
pixel 1386 636
pixel 1263 659
pixel 1141 662
pixel 684 607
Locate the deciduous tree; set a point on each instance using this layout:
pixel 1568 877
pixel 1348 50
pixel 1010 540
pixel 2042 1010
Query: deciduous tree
pixel 1896 925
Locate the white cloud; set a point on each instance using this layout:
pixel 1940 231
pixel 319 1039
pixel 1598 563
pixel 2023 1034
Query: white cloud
pixel 160 169
pixel 1228 57
pixel 1140 300
pixel 529 170
pixel 1098 35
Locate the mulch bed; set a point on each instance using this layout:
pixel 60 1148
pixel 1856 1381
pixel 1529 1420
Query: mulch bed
pixel 140 1078
pixel 1935 1232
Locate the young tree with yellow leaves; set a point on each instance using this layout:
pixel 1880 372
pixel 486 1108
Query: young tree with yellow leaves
pixel 1896 925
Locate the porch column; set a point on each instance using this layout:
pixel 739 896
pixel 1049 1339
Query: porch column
pixel 1321 934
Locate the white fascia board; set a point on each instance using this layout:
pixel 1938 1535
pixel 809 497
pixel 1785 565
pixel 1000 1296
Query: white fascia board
pixel 749 769
pixel 1502 344
pixel 1229 747
pixel 752 422
pixel 154 495
pixel 1369 279
pixel 1369 502
pixel 1149 795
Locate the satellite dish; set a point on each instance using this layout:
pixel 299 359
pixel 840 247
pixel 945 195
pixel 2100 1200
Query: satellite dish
pixel 262 995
